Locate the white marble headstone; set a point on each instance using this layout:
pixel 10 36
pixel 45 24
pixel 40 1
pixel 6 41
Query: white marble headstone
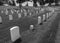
pixel 2 11
pixel 10 17
pixel 19 15
pixel 25 13
pixel 47 15
pixel 0 19
pixel 50 14
pixel 30 14
pixel 12 11
pixel 39 19
pixel 14 32
pixel 31 27
pixel 43 17
pixel 6 12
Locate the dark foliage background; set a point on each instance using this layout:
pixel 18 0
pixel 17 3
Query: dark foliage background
pixel 42 2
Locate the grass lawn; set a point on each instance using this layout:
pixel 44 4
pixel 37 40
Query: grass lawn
pixel 23 23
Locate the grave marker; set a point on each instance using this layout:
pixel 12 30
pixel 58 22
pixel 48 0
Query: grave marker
pixel 30 14
pixel 43 17
pixel 10 17
pixel 12 11
pixel 53 10
pixel 1 11
pixel 47 15
pixel 25 13
pixel 50 14
pixel 31 27
pixel 14 32
pixel 17 11
pixel 0 19
pixel 39 19
pixel 6 12
pixel 37 12
pixel 19 15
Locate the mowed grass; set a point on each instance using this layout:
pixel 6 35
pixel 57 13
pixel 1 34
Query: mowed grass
pixel 24 24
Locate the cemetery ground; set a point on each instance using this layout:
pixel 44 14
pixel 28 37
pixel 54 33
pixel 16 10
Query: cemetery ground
pixel 28 36
pixel 24 24
pixel 42 32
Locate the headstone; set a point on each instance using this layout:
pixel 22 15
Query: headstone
pixel 47 15
pixel 6 12
pixel 12 11
pixel 25 13
pixel 2 12
pixel 10 17
pixel 39 19
pixel 50 14
pixel 14 32
pixel 19 15
pixel 24 10
pixel 31 27
pixel 17 11
pixel 5 4
pixel 43 17
pixel 42 9
pixel 53 10
pixel 37 12
pixel 0 19
pixel 30 14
